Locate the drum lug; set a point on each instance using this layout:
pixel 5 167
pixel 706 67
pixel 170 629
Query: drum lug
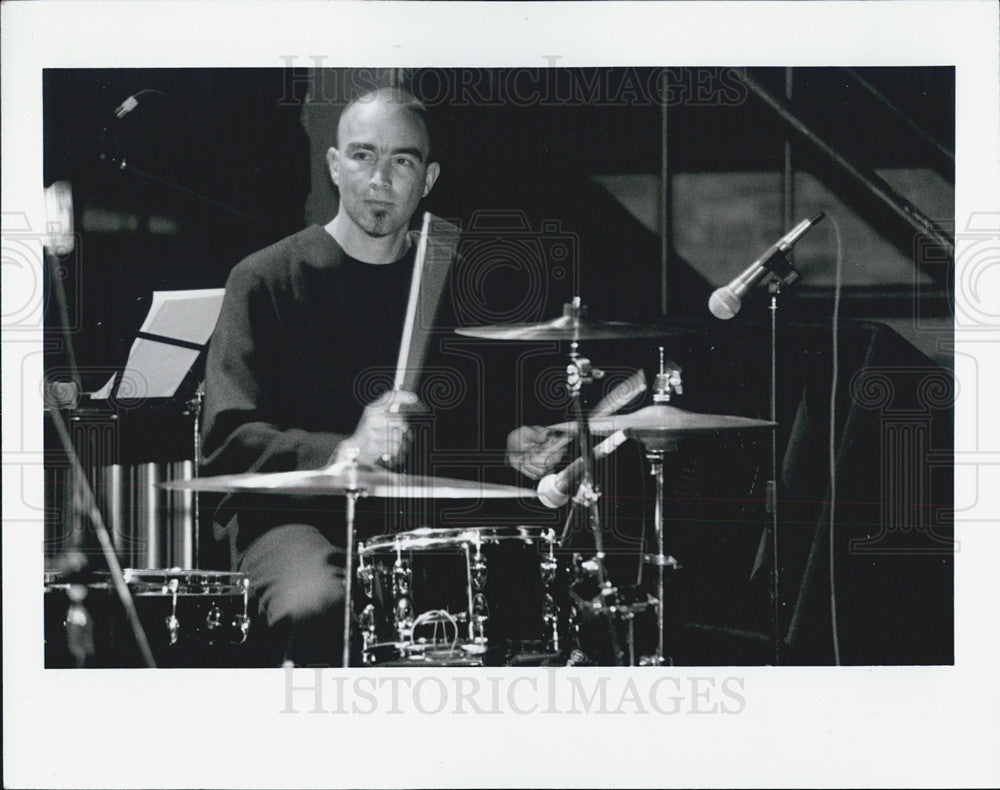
pixel 213 620
pixel 480 615
pixel 404 618
pixel 366 577
pixel 367 621
pixel 550 617
pixel 401 578
pixel 548 566
pixel 173 624
pixel 241 623
pixel 79 627
pixel 478 573
pixel 173 628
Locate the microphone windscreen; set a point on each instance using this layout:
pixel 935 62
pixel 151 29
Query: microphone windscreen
pixel 549 493
pixel 724 303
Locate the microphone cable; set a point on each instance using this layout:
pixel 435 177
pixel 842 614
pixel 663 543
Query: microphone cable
pixel 832 438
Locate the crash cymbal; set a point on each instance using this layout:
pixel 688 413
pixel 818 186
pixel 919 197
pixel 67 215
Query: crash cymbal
pixel 663 421
pixel 342 479
pixel 573 324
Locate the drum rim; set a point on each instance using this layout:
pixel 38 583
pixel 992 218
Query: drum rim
pixel 442 537
pixel 156 581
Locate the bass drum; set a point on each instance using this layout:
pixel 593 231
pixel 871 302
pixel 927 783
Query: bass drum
pixel 191 619
pixel 461 597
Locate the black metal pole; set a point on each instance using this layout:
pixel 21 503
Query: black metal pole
pixel 867 180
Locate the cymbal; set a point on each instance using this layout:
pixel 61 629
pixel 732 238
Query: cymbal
pixel 341 479
pixel 661 421
pixel 573 324
pixel 566 328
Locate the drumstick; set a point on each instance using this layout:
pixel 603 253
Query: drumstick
pixel 435 251
pixel 621 395
pixel 411 306
pixel 617 399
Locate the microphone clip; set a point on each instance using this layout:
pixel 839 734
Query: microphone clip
pixel 777 263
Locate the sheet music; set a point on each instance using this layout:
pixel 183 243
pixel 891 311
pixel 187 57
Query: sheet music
pixel 184 315
pixel 156 369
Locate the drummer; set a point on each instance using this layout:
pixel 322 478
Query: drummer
pixel 301 319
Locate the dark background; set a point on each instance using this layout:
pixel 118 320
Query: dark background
pixel 520 178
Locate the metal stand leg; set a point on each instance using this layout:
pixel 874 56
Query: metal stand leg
pixel 660 559
pixel 352 499
pixel 658 527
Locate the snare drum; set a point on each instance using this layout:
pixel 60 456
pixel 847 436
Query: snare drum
pixel 469 596
pixel 191 619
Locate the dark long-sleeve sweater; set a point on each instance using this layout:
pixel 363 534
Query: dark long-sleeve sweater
pixel 306 337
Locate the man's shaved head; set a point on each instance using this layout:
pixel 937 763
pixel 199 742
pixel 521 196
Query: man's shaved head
pixel 389 97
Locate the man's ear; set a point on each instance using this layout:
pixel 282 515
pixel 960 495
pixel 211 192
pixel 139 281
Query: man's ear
pixel 333 164
pixel 433 171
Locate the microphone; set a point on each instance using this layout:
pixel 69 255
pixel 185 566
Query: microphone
pixel 554 490
pixel 126 107
pixel 132 102
pixel 726 301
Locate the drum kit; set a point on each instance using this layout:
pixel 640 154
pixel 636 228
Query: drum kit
pixel 478 595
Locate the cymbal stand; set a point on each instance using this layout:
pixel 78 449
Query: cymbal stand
pixel 580 373
pixel 194 408
pixel 353 493
pixel 660 560
pixel 668 382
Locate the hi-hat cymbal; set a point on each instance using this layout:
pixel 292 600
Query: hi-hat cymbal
pixel 343 479
pixel 573 324
pixel 661 421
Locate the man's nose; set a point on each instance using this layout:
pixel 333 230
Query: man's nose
pixel 382 173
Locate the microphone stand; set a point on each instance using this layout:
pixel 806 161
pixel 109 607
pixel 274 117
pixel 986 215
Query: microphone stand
pixel 119 163
pixel 776 265
pixel 774 599
pixel 783 273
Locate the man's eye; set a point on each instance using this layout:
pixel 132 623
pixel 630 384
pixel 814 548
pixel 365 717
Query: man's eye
pixel 362 156
pixel 405 162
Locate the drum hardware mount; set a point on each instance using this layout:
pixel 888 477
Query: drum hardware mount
pixel 668 381
pixel 620 603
